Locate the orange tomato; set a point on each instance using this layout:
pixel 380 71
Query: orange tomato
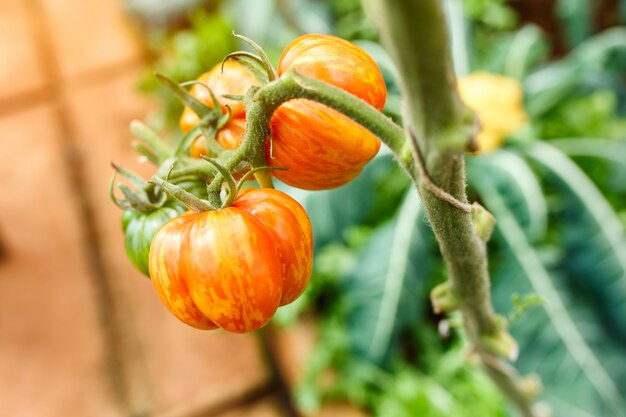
pixel 229 137
pixel 236 80
pixel 232 268
pixel 291 228
pixel 321 147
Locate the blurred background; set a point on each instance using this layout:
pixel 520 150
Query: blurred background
pixel 83 334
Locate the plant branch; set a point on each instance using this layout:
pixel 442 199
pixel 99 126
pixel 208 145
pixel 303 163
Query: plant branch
pixel 414 33
pixel 262 102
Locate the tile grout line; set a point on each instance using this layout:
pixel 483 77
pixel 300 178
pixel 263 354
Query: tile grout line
pixel 104 291
pixel 47 94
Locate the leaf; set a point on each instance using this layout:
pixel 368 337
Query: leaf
pixel 384 289
pixel 580 368
pixel 610 150
pixel 548 86
pixel 594 236
pixel 512 176
pixel 525 41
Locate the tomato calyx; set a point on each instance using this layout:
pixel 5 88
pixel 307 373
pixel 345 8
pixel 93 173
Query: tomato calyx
pixel 212 119
pixel 146 197
pixel 190 200
pixel 258 65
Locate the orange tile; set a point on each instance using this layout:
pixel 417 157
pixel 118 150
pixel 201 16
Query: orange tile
pixel 185 368
pixel 88 35
pixel 52 353
pixel 294 346
pixel 263 408
pixel 21 68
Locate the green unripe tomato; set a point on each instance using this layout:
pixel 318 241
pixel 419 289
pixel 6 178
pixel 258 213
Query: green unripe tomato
pixel 139 230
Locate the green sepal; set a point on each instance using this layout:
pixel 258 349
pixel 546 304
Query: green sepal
pixel 230 181
pixel 198 107
pixel 269 69
pixel 185 142
pixel 252 63
pixel 146 152
pixel 151 140
pixel 145 198
pixel 182 195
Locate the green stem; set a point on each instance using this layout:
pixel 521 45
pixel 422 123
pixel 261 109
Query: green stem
pixel 149 137
pixel 183 196
pixel 262 102
pixel 414 34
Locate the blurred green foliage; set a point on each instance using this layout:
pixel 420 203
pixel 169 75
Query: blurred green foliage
pixel 557 189
pixel 183 55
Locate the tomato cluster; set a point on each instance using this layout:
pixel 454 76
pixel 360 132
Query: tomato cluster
pixel 321 147
pixel 233 266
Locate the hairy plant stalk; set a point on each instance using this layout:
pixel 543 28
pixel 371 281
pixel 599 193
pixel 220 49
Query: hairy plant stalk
pixel 414 33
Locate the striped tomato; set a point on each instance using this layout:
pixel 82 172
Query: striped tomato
pixel 235 80
pixel 232 268
pixel 321 147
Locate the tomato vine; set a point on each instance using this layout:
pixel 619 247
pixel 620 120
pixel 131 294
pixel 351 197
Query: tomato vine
pixel 186 262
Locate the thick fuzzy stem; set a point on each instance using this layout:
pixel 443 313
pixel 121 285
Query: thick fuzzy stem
pixel 414 33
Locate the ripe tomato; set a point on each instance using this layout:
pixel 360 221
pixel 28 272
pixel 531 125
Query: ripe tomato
pixel 235 79
pixel 323 148
pixel 292 231
pixel 233 268
pixel 230 137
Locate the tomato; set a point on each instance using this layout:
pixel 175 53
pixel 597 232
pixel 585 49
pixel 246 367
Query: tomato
pixel 229 137
pixel 232 268
pixel 236 80
pixel 139 230
pixel 321 147
pixel 292 230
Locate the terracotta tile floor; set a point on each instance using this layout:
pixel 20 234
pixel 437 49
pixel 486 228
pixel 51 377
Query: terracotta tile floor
pixel 81 333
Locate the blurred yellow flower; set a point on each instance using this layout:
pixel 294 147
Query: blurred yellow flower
pixel 498 102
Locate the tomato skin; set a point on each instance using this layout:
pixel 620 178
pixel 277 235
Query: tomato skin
pixel 139 230
pixel 233 269
pixel 166 274
pixel 338 62
pixel 229 268
pixel 291 228
pixel 323 148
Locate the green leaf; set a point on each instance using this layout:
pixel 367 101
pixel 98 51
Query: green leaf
pixel 332 212
pixel 610 150
pixel 384 290
pixel 551 84
pixel 581 369
pixel 522 45
pixel 595 239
